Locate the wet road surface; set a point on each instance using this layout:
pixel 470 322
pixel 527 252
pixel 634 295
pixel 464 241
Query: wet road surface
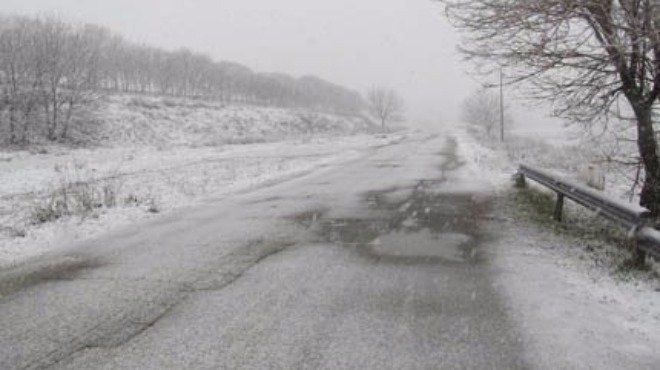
pixel 379 262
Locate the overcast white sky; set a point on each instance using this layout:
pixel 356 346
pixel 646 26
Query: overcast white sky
pixel 404 44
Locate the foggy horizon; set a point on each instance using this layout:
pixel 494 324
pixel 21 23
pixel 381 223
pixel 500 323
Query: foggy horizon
pixel 344 42
pixel 356 45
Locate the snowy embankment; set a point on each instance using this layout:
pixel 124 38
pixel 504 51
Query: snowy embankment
pixel 576 304
pixel 159 155
pixel 167 122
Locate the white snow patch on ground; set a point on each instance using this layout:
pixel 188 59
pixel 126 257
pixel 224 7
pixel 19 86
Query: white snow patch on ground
pixel 489 165
pixel 573 313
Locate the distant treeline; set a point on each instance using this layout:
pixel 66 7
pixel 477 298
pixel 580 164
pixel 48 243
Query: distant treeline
pixel 52 72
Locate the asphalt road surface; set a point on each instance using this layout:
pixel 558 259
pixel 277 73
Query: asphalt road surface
pixel 379 262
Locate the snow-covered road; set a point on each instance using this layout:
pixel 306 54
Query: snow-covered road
pixel 380 262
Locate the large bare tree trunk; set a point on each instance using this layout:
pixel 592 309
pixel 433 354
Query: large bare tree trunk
pixel 53 122
pixel 51 115
pixel 25 139
pixel 67 121
pixel 648 149
pixel 12 123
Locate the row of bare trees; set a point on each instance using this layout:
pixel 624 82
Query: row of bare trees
pixel 52 72
pixel 586 56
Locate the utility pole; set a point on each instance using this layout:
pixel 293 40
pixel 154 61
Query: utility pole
pixel 501 106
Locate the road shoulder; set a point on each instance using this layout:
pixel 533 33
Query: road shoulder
pixel 572 312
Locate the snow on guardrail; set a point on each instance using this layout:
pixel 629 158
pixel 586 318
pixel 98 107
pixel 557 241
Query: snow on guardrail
pixel 649 241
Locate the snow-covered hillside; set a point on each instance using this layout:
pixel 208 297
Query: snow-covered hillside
pixel 166 121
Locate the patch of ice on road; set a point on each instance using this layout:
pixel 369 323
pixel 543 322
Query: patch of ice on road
pixel 409 222
pixel 398 195
pixel 422 243
pixel 453 239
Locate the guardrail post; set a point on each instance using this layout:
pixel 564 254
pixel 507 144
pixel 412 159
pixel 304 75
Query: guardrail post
pixel 519 180
pixel 638 254
pixel 559 207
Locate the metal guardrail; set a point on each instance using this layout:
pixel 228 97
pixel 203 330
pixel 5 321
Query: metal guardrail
pixel 648 240
pixel 631 216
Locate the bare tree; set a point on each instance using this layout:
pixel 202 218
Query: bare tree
pixel 385 104
pixel 583 55
pixel 481 110
pixel 54 44
pixel 80 68
pixel 13 63
pixel 21 74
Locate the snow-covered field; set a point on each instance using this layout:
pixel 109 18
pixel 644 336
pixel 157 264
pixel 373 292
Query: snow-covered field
pixel 105 188
pixel 568 158
pixel 146 156
pixel 576 305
